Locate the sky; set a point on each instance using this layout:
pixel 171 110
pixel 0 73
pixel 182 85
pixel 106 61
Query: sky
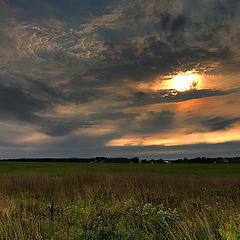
pixel 124 78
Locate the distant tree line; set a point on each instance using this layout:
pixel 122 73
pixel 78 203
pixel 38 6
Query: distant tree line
pixel 135 160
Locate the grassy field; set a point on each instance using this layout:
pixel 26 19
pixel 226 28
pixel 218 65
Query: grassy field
pixel 72 201
pixel 165 170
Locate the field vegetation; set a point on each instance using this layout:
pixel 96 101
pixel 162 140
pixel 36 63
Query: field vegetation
pixel 68 201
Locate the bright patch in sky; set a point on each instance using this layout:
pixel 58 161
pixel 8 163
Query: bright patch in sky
pixel 186 81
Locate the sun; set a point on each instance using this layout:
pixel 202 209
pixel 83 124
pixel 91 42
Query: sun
pixel 185 81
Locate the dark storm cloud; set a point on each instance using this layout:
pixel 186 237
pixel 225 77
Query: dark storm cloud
pixel 143 59
pixel 145 123
pixel 123 60
pixel 189 36
pixel 15 104
pixel 112 116
pixel 25 104
pixel 169 96
pixel 151 122
pixel 83 96
pixel 219 123
pixel 41 87
pixel 155 122
pixel 65 10
pixel 59 53
pixel 178 41
pixel 57 127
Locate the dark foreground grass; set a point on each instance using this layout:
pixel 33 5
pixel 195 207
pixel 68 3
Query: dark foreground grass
pixel 102 204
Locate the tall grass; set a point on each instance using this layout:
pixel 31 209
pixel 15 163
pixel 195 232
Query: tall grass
pixel 102 206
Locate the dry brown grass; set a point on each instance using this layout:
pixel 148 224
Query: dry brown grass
pixel 208 208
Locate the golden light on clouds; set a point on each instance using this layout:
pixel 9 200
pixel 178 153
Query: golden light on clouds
pixel 35 137
pixel 186 81
pixel 180 138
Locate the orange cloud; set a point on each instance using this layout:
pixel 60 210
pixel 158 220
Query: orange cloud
pixel 232 134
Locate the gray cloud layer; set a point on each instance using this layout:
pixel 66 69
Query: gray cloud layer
pixel 219 123
pixel 87 53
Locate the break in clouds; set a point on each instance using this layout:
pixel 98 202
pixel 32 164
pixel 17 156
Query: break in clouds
pixel 90 78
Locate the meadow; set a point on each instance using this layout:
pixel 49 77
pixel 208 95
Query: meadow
pixel 74 201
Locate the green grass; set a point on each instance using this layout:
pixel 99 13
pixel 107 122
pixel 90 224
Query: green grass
pixel 72 201
pixel 167 170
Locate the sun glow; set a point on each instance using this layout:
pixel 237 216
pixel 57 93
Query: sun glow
pixel 186 81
